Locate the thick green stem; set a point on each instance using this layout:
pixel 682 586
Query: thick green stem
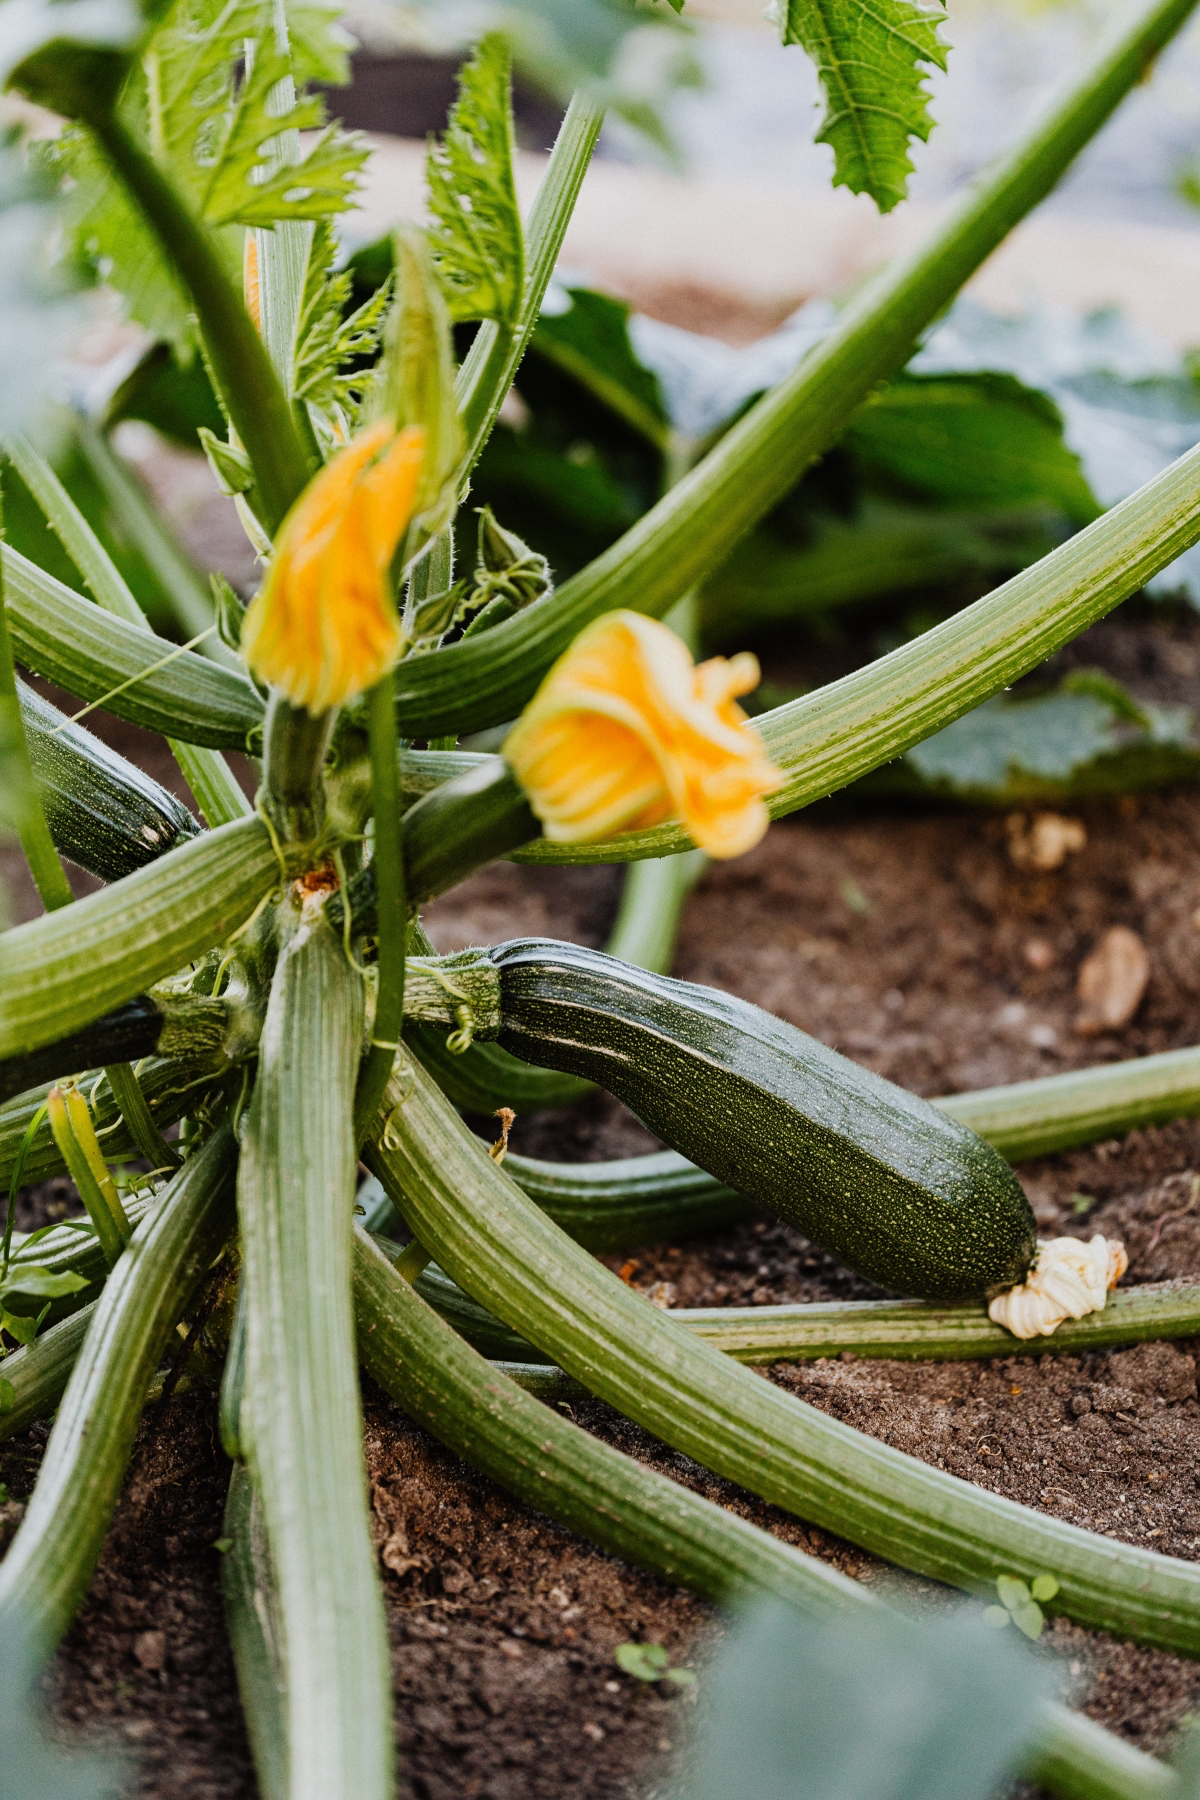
pixel 91 652
pixel 46 1572
pixel 495 355
pixel 294 750
pixel 250 389
pixel 251 1598
pixel 493 1241
pixel 299 1419
pixel 123 1084
pixel 60 972
pixel 580 1482
pixel 482 682
pixel 652 902
pixel 391 911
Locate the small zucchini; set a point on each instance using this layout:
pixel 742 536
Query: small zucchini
pixel 103 813
pixel 892 1187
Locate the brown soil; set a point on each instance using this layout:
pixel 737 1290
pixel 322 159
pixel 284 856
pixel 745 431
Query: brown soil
pixel 916 946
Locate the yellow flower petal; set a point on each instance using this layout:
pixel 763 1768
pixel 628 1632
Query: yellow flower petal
pixel 324 626
pixel 624 732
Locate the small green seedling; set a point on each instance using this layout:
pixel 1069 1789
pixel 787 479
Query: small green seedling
pixel 1019 1604
pixel 1082 1203
pixel 223 1545
pixel 651 1662
pixel 854 897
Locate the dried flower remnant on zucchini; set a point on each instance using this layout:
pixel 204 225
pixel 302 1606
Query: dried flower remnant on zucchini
pixel 1068 1280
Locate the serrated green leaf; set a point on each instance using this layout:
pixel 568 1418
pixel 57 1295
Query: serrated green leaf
pixel 328 343
pixel 868 56
pixel 211 102
pixel 1050 749
pixel 475 234
pixel 623 56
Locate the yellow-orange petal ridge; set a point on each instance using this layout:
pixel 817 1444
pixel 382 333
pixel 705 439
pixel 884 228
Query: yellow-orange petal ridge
pixel 324 625
pixel 626 732
pixel 250 287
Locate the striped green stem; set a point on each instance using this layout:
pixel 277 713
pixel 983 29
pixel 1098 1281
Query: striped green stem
pixel 90 652
pixel 531 1451
pixel 251 1597
pixel 217 793
pixel 904 1330
pixel 60 972
pixel 299 1419
pixel 38 1373
pixel 391 923
pixel 484 681
pixel 495 1244
pixel 123 1084
pixel 45 1574
pixel 634 1200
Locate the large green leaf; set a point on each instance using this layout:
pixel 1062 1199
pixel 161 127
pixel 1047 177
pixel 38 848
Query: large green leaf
pixel 973 440
pixel 869 1708
pixel 1086 737
pixel 35 1767
pixel 475 234
pixel 869 56
pixel 587 335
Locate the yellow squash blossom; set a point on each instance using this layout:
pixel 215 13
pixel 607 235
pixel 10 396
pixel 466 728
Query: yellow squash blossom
pixel 626 732
pixel 324 626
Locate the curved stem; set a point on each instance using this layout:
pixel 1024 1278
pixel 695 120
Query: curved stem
pixel 123 1085
pixel 48 1566
pixel 531 1451
pixel 250 389
pixel 299 1419
pixel 495 354
pixel 91 652
pixel 391 922
pixel 61 971
pixel 482 682
pixel 491 1240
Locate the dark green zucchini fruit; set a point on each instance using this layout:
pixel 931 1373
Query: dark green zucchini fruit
pixel 893 1188
pixel 103 813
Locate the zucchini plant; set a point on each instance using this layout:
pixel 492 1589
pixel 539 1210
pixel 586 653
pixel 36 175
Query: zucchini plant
pixel 261 977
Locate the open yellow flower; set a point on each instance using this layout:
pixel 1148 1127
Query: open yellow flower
pixel 324 626
pixel 625 732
